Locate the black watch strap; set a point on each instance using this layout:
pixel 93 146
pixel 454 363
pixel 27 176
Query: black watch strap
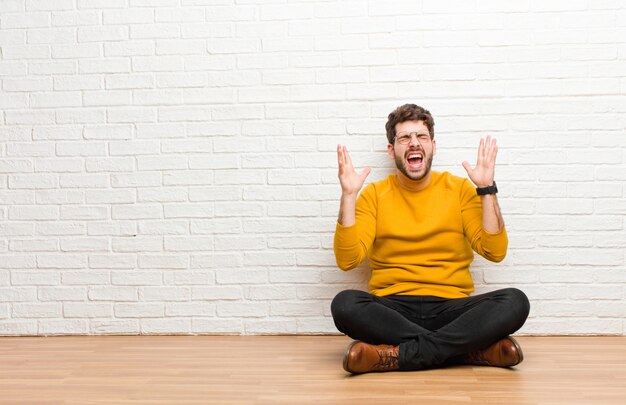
pixel 492 189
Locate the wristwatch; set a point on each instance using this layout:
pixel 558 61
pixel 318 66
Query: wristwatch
pixel 492 189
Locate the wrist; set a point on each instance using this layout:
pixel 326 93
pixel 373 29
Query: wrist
pixel 491 189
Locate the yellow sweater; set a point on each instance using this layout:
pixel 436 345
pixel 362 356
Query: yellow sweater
pixel 418 242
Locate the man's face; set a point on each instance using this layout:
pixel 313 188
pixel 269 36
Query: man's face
pixel 415 157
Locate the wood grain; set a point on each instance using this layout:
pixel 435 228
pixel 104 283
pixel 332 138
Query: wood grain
pixel 292 370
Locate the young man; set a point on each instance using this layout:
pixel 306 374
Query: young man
pixel 418 229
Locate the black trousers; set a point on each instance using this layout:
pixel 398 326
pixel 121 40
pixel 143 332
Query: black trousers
pixel 430 331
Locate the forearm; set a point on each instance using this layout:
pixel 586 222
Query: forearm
pixel 347 209
pixel 492 220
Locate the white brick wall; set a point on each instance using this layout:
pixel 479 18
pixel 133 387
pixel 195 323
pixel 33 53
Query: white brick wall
pixel 168 166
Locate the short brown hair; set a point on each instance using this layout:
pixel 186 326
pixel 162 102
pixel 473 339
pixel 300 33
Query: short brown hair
pixel 408 112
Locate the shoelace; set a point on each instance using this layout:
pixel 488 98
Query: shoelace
pixel 386 359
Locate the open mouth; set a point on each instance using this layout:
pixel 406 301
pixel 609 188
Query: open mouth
pixel 414 160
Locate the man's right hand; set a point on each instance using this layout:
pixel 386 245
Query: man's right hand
pixel 351 182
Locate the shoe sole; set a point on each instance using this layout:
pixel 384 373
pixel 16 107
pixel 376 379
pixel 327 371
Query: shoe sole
pixel 519 350
pixel 345 356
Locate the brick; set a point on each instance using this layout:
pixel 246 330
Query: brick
pixel 116 228
pixel 87 310
pixel 218 326
pixel 187 14
pixel 192 278
pixel 169 261
pixel 34 245
pixel 268 193
pixel 204 30
pixel 172 227
pixel 268 292
pixel 179 80
pixel 25 20
pixel 270 327
pixel 132 16
pixel 136 180
pixel 166 326
pixel 190 210
pixel 233 46
pixel 43 5
pixel 21 117
pixel 295 309
pixel 215 226
pixel 16 229
pixel 214 293
pixel 164 294
pixel 62 327
pixel 188 243
pixel 131 115
pixel 152 31
pixel 188 177
pixel 61 261
pixel 62 294
pixel 190 309
pixel 84 244
pixel 34 278
pixel 139 310
pixel 27 84
pixel 109 261
pixel 103 33
pixel 87 278
pixel 137 244
pixel 162 163
pixel 136 278
pixel 170 194
pixel 74 18
pixel 130 327
pixel 51 35
pixel 76 51
pixel 242 309
pixel 44 310
pixel 180 46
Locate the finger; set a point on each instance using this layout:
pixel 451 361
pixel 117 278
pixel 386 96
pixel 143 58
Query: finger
pixel 341 159
pixel 491 151
pixel 488 143
pixel 346 157
pixel 339 155
pixel 481 151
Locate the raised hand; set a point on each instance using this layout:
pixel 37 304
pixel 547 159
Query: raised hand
pixel 482 174
pixel 351 181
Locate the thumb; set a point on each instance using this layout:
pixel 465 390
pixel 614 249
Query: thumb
pixel 467 167
pixel 366 172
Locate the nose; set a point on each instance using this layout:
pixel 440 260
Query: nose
pixel 414 141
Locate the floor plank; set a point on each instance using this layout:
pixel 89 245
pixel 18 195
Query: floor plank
pixel 292 370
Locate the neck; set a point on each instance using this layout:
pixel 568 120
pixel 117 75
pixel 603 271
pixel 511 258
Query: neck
pixel 414 185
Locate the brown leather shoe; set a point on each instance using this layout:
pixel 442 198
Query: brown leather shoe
pixel 364 358
pixel 504 353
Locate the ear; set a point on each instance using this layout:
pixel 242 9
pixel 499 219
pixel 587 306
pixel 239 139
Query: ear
pixel 434 147
pixel 390 151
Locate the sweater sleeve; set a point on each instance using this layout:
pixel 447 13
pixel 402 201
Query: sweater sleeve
pixel 491 246
pixel 353 243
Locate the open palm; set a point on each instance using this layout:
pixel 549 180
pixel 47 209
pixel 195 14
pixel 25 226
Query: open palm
pixel 483 173
pixel 351 181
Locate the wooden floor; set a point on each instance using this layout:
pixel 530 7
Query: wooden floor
pixel 293 370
